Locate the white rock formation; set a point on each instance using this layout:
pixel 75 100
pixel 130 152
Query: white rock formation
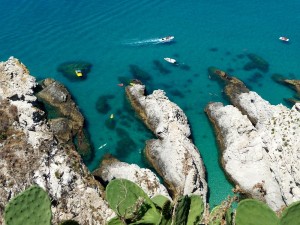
pixel 30 155
pixel 260 148
pixel 112 168
pixel 173 154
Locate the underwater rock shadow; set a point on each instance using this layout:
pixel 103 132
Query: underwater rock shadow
pixel 68 70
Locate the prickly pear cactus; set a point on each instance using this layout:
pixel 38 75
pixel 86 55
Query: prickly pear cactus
pixel 196 210
pixel 254 212
pixel 30 207
pixel 115 221
pixel 219 215
pixel 182 211
pixel 159 200
pixel 130 202
pixel 291 215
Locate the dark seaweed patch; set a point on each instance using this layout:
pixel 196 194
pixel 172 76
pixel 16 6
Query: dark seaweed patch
pixel 213 49
pixel 110 123
pixel 102 104
pixel 230 70
pixel 159 66
pixel 240 56
pixel 125 144
pixel 139 74
pixel 184 67
pixel 177 93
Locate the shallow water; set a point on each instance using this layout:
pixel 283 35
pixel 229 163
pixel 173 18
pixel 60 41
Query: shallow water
pixel 112 35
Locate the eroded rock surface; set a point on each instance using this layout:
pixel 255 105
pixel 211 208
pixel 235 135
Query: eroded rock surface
pixel 112 168
pixel 260 145
pixel 68 122
pixel 29 154
pixel 291 83
pixel 173 154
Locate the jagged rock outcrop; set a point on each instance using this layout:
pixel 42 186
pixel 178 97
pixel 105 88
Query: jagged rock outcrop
pixel 29 154
pixel 173 155
pixel 260 145
pixel 68 122
pixel 112 168
pixel 291 83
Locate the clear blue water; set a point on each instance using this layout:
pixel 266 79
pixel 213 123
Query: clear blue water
pixel 114 34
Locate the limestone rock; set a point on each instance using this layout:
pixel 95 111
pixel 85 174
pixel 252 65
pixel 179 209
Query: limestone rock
pixel 260 146
pixel 173 155
pixel 29 154
pixel 67 114
pixel 112 168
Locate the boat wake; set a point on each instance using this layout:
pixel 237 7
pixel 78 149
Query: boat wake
pixel 144 42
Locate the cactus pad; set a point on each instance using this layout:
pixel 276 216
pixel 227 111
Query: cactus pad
pixel 196 210
pixel 129 201
pixel 30 207
pixel 291 214
pixel 254 212
pixel 115 221
pixel 182 210
pixel 159 200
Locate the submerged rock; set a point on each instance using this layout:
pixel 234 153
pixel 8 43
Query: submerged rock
pixel 173 155
pixel 294 84
pixel 259 144
pixel 256 62
pixel 112 168
pixel 30 154
pixel 139 73
pixel 102 104
pixel 68 69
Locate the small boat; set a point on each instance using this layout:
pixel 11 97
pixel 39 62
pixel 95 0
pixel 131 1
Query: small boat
pixel 170 60
pixel 285 39
pixel 78 73
pixel 166 39
pixel 102 146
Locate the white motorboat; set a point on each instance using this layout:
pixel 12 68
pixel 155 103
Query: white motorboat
pixel 285 39
pixel 170 60
pixel 166 39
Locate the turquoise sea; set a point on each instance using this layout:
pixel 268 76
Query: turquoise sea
pixel 112 35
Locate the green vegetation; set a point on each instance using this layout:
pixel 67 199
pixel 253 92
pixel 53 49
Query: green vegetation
pixel 254 212
pixel 131 203
pixel 219 214
pixel 291 214
pixel 182 210
pixel 30 207
pixel 196 210
pixel 133 206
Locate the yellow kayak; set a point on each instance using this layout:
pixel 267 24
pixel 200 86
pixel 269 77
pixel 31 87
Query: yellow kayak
pixel 78 73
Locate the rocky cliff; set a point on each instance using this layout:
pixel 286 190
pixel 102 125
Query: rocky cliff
pixel 259 142
pixel 112 168
pixel 30 154
pixel 172 154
